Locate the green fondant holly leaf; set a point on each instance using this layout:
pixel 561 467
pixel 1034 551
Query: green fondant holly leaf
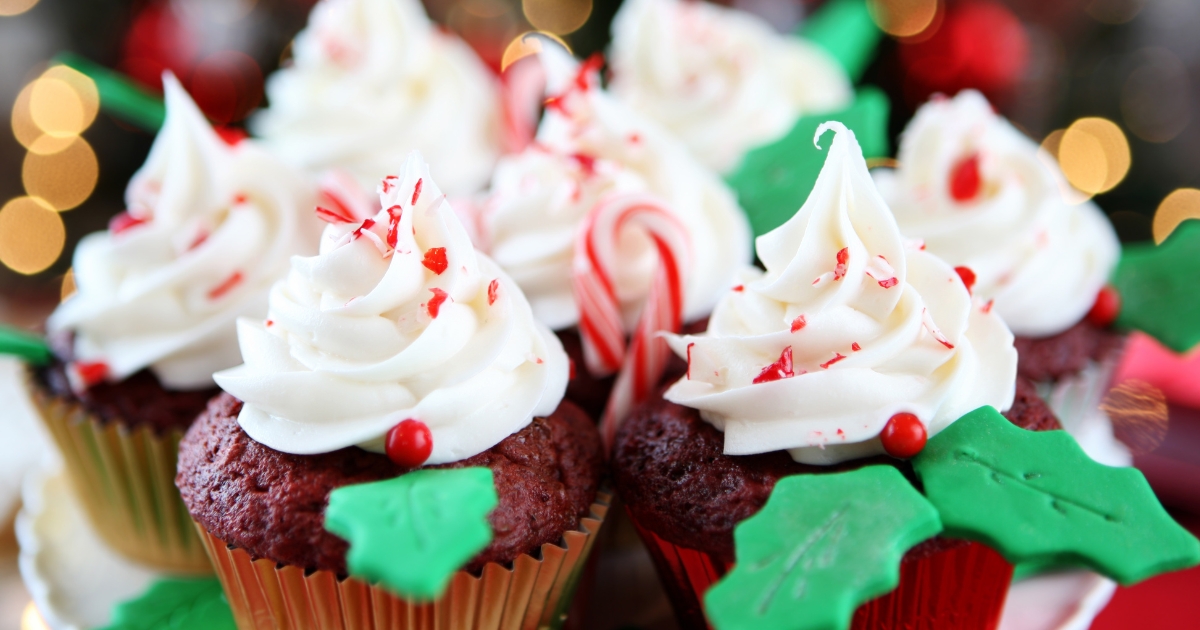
pixel 774 180
pixel 822 545
pixel 176 604
pixel 31 348
pixel 1036 497
pixel 412 532
pixel 844 28
pixel 1158 286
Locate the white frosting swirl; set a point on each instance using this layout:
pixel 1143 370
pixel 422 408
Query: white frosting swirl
pixel 589 147
pixel 215 226
pixel 1041 258
pixel 873 327
pixel 722 80
pixel 356 340
pixel 372 80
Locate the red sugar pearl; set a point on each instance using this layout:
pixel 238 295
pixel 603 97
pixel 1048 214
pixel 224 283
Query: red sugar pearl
pixel 409 443
pixel 904 436
pixel 1106 308
pixel 965 180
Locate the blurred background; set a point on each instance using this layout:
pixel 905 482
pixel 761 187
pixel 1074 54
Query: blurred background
pixel 1106 85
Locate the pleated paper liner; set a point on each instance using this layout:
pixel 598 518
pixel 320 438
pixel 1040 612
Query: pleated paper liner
pixel 963 586
pixel 535 593
pixel 125 479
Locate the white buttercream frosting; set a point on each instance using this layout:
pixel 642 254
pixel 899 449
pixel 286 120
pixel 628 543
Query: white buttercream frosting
pixel 215 227
pixel 721 79
pixel 371 80
pixel 356 340
pixel 1041 258
pixel 873 327
pixel 590 146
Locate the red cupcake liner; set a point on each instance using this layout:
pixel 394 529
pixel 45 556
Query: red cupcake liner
pixel 961 586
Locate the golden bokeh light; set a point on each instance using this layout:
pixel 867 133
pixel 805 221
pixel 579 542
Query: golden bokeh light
pixel 557 16
pixel 524 45
pixel 31 235
pixel 64 179
pixel 52 110
pixel 1179 206
pixel 15 7
pixel 1139 415
pixel 31 619
pixel 903 18
pixel 1094 155
pixel 68 285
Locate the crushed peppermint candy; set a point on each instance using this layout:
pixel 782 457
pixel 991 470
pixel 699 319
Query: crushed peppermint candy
pixel 435 303
pixel 837 356
pixel 493 290
pixel 689 359
pixel 967 276
pixel 882 272
pixel 435 260
pixel 417 191
pixel 927 321
pixel 843 260
pixel 799 323
pixel 226 286
pixel 780 369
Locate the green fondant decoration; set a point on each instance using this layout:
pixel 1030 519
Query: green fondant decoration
pixel 774 180
pixel 412 532
pixel 1037 497
pixel 845 29
pixel 822 545
pixel 119 95
pixel 176 604
pixel 1160 293
pixel 20 344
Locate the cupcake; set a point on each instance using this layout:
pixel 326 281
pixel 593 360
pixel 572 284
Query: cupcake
pixel 983 197
pixel 593 158
pixel 208 228
pixel 371 80
pixel 850 352
pixel 396 352
pixel 722 80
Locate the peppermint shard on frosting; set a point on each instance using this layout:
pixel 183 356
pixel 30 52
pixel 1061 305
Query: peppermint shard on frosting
pixel 208 228
pixel 982 195
pixel 591 150
pixel 372 80
pixel 397 319
pixel 849 325
pixel 722 80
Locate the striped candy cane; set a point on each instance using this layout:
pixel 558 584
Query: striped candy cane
pixel 596 257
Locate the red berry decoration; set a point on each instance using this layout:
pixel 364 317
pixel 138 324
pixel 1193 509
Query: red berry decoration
pixel 904 436
pixel 1106 308
pixel 409 443
pixel 965 180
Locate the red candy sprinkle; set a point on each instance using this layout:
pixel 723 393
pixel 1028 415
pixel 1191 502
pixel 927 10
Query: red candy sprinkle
pixel 689 361
pixel 393 235
pixel 855 347
pixel 232 281
pixel 409 444
pixel 417 191
pixel 904 436
pixel 239 199
pixel 1106 308
pixel 493 289
pixel 987 308
pixel 386 184
pixel 778 370
pixel 435 260
pixel 799 323
pixel 91 372
pixel 843 258
pixel 366 225
pixel 435 303
pixel 838 356
pixel 586 162
pixel 739 288
pixel 889 283
pixel 968 277
pixel 965 180
pixel 124 221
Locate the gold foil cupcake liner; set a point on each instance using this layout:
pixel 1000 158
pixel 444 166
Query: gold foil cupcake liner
pixel 534 593
pixel 125 479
